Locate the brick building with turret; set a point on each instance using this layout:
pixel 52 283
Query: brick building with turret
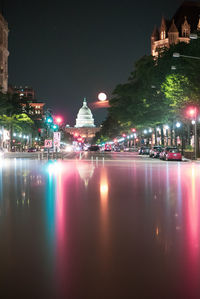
pixel 185 21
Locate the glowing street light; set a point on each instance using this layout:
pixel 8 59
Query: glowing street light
pixel 193 122
pixel 150 130
pixel 58 120
pixel 178 125
pixel 145 131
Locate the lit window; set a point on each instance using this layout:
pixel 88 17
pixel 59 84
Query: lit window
pixel 163 35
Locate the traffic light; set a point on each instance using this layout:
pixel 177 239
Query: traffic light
pixel 49 120
pixel 55 127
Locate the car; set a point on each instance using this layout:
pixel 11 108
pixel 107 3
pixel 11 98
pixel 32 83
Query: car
pixel 171 153
pixel 133 149
pixel 116 149
pixel 107 148
pixel 156 152
pixel 93 148
pixel 153 149
pixel 144 150
pixel 32 149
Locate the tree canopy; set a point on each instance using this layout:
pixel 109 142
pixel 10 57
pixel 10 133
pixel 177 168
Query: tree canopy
pixel 155 93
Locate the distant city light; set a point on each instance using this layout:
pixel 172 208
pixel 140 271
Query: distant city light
pixel 145 131
pixel 193 122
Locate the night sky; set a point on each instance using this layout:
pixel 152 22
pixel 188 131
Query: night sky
pixel 67 50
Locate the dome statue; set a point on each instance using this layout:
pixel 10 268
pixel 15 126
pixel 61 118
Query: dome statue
pixel 84 118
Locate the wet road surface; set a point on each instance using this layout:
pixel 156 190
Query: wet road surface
pixel 99 229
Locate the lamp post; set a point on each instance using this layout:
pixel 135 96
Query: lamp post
pixel 178 55
pixel 193 113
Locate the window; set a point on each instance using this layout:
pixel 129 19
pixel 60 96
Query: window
pixel 185 32
pixel 163 35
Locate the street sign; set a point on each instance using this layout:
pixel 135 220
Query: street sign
pixel 57 136
pixel 48 143
pixel 56 141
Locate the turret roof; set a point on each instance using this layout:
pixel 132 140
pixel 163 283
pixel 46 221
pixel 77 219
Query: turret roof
pixel 173 27
pixel 191 10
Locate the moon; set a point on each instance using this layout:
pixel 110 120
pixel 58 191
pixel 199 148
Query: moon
pixel 102 96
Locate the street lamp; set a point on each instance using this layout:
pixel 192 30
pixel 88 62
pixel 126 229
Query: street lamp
pixel 58 120
pixel 177 55
pixel 192 112
pixel 178 125
pixel 193 36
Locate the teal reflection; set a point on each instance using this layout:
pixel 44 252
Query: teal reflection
pixel 50 202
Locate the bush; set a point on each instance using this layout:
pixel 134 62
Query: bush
pixel 189 148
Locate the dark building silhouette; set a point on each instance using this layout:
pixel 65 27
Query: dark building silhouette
pixel 185 21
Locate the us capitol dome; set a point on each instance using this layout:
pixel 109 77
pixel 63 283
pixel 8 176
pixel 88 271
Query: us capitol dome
pixel 85 118
pixel 84 126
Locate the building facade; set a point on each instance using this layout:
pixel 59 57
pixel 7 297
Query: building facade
pixel 185 21
pixel 26 92
pixel 3 54
pixel 85 126
pixel 27 99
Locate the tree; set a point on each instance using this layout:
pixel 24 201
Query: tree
pixel 154 94
pixel 18 122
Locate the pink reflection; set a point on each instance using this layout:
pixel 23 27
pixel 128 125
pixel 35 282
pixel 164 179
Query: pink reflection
pixel 63 175
pixel 192 229
pixel 104 190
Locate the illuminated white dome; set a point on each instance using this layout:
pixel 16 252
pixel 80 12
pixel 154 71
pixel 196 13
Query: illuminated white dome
pixel 84 117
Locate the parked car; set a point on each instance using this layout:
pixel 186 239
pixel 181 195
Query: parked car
pixel 133 149
pixel 116 149
pixel 157 151
pixel 144 150
pixel 93 148
pixel 153 149
pixel 32 149
pixel 107 148
pixel 171 153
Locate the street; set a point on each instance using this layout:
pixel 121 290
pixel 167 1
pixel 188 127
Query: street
pixel 113 225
